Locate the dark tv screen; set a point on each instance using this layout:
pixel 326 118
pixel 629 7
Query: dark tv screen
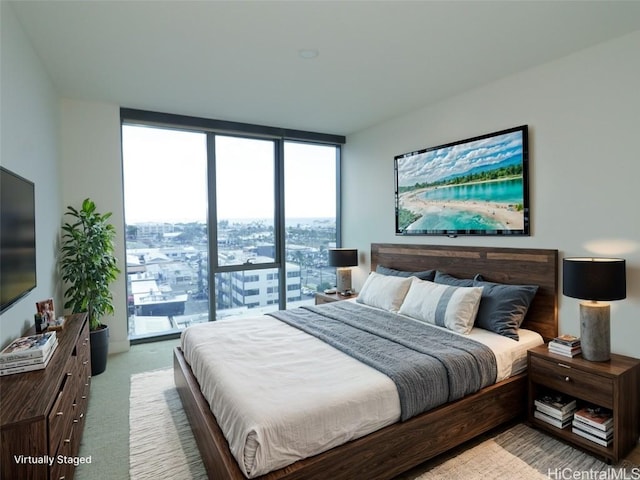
pixel 17 238
pixel 477 186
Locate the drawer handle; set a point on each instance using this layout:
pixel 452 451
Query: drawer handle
pixel 69 374
pixel 67 440
pixel 59 414
pixel 567 379
pixel 563 365
pixel 85 362
pixel 75 420
pixel 84 397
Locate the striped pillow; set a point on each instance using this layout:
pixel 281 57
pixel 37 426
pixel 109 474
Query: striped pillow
pixel 383 291
pixel 446 306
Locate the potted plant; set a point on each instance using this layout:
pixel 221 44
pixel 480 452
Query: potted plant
pixel 88 266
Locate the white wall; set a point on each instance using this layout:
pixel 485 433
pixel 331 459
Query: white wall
pixel 29 146
pixel 70 150
pixel 583 113
pixel 91 167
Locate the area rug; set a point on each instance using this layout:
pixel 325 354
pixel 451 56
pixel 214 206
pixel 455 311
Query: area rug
pixel 522 452
pixel 162 446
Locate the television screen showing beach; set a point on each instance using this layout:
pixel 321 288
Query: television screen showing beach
pixel 475 186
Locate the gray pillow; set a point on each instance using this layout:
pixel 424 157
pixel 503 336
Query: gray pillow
pixel 503 307
pixel 446 279
pixel 424 275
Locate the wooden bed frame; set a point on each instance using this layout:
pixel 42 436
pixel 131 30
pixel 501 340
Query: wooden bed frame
pixel 399 447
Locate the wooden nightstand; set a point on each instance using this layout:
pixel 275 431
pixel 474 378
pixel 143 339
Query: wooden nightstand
pixel 614 385
pixel 322 297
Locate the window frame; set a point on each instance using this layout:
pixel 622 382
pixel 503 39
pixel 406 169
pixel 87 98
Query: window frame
pixel 279 136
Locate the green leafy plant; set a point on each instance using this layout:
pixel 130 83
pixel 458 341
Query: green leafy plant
pixel 88 263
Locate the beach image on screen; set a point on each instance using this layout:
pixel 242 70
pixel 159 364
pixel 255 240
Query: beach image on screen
pixel 470 187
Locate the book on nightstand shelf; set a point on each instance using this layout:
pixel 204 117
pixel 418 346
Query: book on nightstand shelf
pixel 556 402
pixel 551 420
pixel 596 432
pixel 605 442
pixel 596 417
pixel 555 409
pixel 553 412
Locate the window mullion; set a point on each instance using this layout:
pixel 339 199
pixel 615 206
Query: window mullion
pixel 280 232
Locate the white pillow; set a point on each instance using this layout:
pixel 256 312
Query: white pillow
pixel 447 306
pixel 384 291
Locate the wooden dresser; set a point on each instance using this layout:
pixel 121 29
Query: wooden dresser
pixel 43 412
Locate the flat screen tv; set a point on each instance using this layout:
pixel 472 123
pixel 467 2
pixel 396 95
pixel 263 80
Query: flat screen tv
pixel 477 186
pixel 17 238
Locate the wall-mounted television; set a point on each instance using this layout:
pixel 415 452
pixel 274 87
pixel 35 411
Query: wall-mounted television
pixel 17 238
pixel 477 186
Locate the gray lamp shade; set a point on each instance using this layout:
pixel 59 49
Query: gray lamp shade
pixel 343 257
pixel 599 279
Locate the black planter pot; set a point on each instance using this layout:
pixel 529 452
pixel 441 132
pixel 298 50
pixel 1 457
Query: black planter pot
pixel 99 349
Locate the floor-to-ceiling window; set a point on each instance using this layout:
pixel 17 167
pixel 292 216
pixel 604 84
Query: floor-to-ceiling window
pixel 245 191
pixel 223 223
pixel 310 179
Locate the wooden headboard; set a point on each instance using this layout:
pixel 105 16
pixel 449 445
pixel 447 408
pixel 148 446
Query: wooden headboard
pixel 517 266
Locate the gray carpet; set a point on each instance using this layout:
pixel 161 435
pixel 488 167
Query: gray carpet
pixel 106 432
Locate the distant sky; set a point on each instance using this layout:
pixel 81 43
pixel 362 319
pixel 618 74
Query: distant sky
pixel 442 163
pixel 165 177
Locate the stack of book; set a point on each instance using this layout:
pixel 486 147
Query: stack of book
pixel 566 345
pixel 28 353
pixel 594 424
pixel 555 409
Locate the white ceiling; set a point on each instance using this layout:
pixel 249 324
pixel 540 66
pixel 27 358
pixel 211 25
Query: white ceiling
pixel 238 60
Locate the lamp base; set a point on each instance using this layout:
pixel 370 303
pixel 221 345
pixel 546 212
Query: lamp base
pixel 595 331
pixel 343 280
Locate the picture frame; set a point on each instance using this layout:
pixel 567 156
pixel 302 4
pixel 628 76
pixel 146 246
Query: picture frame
pixel 47 312
pixel 476 186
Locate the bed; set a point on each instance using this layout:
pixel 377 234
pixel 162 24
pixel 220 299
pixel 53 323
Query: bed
pixel 397 447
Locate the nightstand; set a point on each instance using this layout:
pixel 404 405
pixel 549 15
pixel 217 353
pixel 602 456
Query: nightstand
pixel 322 297
pixel 614 384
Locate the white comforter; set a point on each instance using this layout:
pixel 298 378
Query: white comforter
pixel 280 395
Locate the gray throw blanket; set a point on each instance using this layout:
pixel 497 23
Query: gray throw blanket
pixel 430 366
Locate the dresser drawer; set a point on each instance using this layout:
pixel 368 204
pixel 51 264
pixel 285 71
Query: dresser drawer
pixel 63 468
pixel 572 381
pixel 61 415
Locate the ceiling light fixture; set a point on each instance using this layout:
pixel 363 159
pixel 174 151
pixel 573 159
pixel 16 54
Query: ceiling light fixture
pixel 308 53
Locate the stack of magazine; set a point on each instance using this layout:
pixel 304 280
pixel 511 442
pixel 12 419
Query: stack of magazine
pixel 555 409
pixel 28 353
pixel 594 424
pixel 567 345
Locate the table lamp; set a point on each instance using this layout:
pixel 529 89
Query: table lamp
pixel 594 280
pixel 343 258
